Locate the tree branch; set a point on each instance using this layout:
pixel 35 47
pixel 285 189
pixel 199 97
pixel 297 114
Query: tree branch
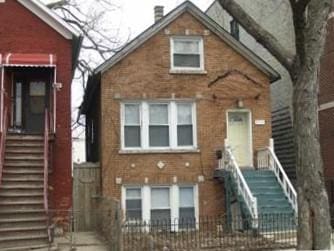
pixel 262 36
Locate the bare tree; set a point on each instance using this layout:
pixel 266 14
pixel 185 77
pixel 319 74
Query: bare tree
pixel 101 38
pixel 310 20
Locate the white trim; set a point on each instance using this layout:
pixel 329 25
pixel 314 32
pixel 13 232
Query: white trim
pixel 326 106
pixel 51 18
pixel 144 124
pixel 184 70
pixel 174 196
pixel 250 130
pixel 2 96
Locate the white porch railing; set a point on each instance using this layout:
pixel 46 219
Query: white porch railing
pixel 267 159
pixel 228 162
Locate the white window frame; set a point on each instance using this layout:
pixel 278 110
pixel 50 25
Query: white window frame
pixel 144 126
pixel 174 195
pixel 201 53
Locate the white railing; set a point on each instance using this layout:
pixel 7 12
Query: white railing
pixel 267 159
pixel 228 162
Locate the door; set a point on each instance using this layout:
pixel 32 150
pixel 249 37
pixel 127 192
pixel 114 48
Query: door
pixel 239 137
pixel 31 100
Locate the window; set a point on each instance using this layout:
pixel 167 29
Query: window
pixel 184 125
pixel 132 125
pixel 187 53
pixel 234 27
pixel 133 204
pixel 187 206
pixel 160 204
pixel 158 126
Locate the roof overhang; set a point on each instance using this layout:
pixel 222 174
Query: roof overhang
pixel 51 18
pixel 189 7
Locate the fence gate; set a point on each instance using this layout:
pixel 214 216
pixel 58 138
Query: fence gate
pixel 86 186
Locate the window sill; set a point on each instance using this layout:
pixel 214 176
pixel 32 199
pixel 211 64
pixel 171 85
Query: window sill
pixel 153 151
pixel 185 71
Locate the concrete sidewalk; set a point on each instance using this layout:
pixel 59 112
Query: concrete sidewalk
pixel 81 241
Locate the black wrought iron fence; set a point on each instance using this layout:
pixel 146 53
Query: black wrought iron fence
pixel 271 231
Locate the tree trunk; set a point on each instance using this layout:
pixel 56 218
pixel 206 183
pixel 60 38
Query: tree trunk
pixel 314 228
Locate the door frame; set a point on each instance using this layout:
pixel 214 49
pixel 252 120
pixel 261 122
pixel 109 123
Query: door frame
pixel 250 129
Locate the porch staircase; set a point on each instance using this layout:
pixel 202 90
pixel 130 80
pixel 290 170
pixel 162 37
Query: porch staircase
pixel 267 200
pixel 23 220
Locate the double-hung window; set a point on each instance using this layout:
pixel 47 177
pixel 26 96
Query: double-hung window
pixel 132 126
pixel 160 204
pixel 133 204
pixel 186 206
pixel 187 53
pixel 168 125
pixel 158 125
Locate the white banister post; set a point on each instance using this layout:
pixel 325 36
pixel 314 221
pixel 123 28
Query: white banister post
pixel 225 143
pixel 271 144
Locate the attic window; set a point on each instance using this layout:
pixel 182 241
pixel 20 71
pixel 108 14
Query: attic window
pixel 187 53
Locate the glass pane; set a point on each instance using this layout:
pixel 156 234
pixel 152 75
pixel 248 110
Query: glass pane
pixel 18 104
pixel 160 215
pixel 132 116
pixel 182 60
pixel 160 198
pixel 37 89
pixel 37 104
pixel 184 114
pixel 133 214
pixel 159 114
pixel 187 217
pixel 133 193
pixel 186 197
pixel 133 204
pixel 132 136
pixel 187 47
pixel 159 135
pixel 185 135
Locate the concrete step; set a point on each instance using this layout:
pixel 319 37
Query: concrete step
pixel 41 246
pixel 23 163
pixel 21 213
pixel 25 157
pixel 20 207
pixel 21 219
pixel 18 201
pixel 22 137
pixel 24 150
pixel 19 144
pixel 24 170
pixel 22 176
pixel 20 194
pixel 22 228
pixel 25 183
pixel 25 239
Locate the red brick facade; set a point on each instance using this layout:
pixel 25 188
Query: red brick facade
pixel 21 31
pixel 144 75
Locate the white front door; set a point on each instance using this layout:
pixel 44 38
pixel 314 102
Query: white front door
pixel 239 137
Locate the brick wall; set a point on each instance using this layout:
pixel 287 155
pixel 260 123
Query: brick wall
pixel 145 73
pixel 23 32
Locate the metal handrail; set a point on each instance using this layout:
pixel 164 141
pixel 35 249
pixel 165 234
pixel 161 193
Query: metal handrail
pixel 228 162
pixel 267 159
pixel 46 169
pixel 3 142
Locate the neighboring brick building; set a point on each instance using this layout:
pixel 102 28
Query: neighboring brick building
pixel 158 110
pixel 326 109
pixel 38 53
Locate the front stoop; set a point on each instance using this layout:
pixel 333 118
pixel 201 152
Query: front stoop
pixel 23 221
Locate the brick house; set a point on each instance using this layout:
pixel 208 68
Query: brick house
pixel 38 53
pixel 160 110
